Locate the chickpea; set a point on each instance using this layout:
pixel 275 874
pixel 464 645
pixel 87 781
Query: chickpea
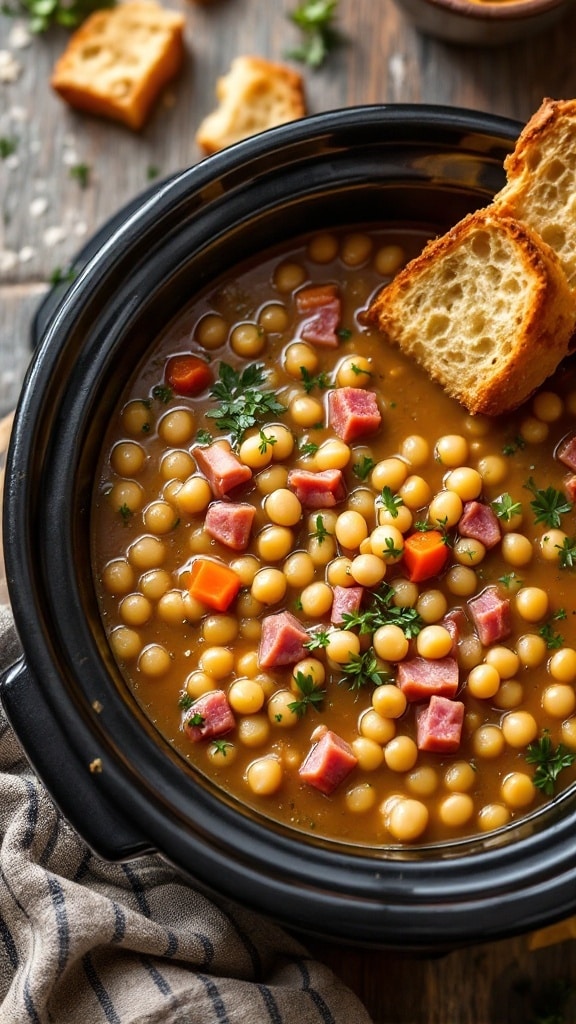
pixel 389 259
pixel 306 410
pixel 362 500
pixel 390 473
pixel 415 492
pixel 465 481
pixel 405 818
pixel 222 754
pixel 269 585
pixel 562 665
pixel 274 543
pixel 547 406
pixel 256 451
pixel 322 549
pixel 288 276
pixel 279 712
pixel 493 816
pixel 248 340
pixel 401 754
pixel 283 507
pixel 126 497
pixel 518 790
pixel 298 356
pixel 200 541
pixel 247 663
pixel 136 418
pixel 342 645
pixel 559 700
pixel 194 495
pixel 415 450
pixel 177 464
pixel 127 458
pixel 299 569
pixel 431 606
pixel 551 544
pixel 401 518
pixel 177 427
pixel 390 643
pixel 351 529
pixel 338 572
pixel 154 660
pixel 323 247
pixel 308 668
pixel 198 683
pixel 118 576
pixel 217 662
pixel 483 681
pixel 519 728
pixel 369 753
pixel 468 551
pixel 316 600
pixel 388 543
pixel 368 570
pixel 456 809
pixel 211 331
pixel 264 776
pixel 531 650
pixel 434 642
pixel 171 608
pixel 493 469
pixel 445 508
pixel 461 580
pixel 125 643
pixel 422 781
pixel 470 652
pixel 405 593
pixel 505 661
pixel 354 372
pixel 246 696
pixel 389 701
pixel 460 777
pixel 516 549
pixel 146 553
pixel 135 610
pixel 569 732
pixel 532 603
pixel 219 630
pixel 333 454
pixel 253 731
pixel 488 742
pixel 534 431
pixel 361 798
pixel 356 249
pixel 451 450
pixel 246 567
pixel 159 517
pixel 273 318
pixel 510 694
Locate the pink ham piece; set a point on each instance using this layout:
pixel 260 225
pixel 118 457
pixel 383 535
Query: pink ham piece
pixel 346 601
pixel 282 640
pixel 491 616
pixel 456 623
pixel 353 413
pixel 323 303
pixel 222 467
pixel 328 762
pixel 209 716
pixel 230 523
pixel 317 490
pixel 566 452
pixel 439 725
pixel 480 522
pixel 570 488
pixel 421 678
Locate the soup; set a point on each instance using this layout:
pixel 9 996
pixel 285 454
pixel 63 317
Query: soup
pixel 334 592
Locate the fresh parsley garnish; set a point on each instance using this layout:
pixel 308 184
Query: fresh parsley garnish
pixel 315 19
pixel 42 14
pixel 185 701
pixel 320 381
pixel 567 553
pixel 510 578
pixel 125 513
pixel 308 448
pixel 162 393
pixel 312 696
pixel 318 640
pixel 204 436
pixel 505 507
pixel 363 669
pixel 7 147
pixel 265 442
pixel 243 401
pixel 380 612
pixel 548 504
pixel 221 746
pixel 363 467
pixel 391 501
pixel 552 639
pixel 320 533
pixel 516 445
pixel 550 760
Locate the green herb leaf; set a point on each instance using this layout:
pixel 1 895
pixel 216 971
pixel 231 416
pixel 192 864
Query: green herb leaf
pixel 265 442
pixel 319 639
pixel 7 147
pixel 81 174
pixel 315 19
pixel 553 639
pixel 548 505
pixel 549 761
pixel 308 448
pixel 516 445
pixel 320 533
pixel 186 701
pixel 363 467
pixel 243 402
pixel 391 501
pixel 162 393
pixel 221 746
pixel 567 553
pixel 363 669
pixel 43 14
pixel 312 696
pixel 321 381
pixel 382 611
pixel 505 507
pixel 125 513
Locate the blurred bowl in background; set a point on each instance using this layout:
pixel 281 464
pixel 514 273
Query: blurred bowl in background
pixel 484 22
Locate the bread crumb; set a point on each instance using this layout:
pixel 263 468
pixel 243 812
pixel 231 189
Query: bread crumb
pixel 117 62
pixel 255 95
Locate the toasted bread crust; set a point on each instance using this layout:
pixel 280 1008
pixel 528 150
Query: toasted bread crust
pixel 541 179
pixel 119 59
pixel 485 309
pixel 255 95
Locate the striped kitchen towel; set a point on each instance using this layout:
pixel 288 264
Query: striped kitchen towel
pixel 83 941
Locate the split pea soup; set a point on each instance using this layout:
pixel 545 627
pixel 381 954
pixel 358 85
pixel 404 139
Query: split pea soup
pixel 329 588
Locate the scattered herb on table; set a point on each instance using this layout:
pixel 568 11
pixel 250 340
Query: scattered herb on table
pixel 548 504
pixel 81 173
pixel 60 276
pixel 7 147
pixel 242 400
pixel 319 35
pixel 550 760
pixel 311 695
pixel 43 14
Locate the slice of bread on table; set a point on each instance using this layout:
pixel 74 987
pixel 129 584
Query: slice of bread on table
pixel 485 309
pixel 256 94
pixel 119 59
pixel 541 179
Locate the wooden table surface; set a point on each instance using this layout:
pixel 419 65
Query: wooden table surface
pixel 47 214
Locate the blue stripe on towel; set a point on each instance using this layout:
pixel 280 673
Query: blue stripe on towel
pixel 59 904
pixel 99 991
pixel 325 1012
pixel 270 1003
pixel 215 998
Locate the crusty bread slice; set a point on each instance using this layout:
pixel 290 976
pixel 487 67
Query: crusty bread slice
pixel 485 309
pixel 256 94
pixel 541 179
pixel 119 59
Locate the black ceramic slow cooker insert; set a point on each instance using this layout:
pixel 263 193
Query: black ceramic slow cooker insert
pixel 406 166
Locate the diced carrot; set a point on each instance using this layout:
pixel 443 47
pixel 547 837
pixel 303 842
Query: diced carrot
pixel 188 374
pixel 314 296
pixel 213 583
pixel 425 554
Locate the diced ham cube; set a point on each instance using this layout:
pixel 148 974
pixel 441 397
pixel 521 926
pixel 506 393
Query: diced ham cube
pixel 323 303
pixel 480 522
pixel 230 523
pixel 420 678
pixel 328 762
pixel 353 413
pixel 456 623
pixel 439 725
pixel 491 616
pixel 317 490
pixel 209 716
pixel 566 452
pixel 314 296
pixel 222 467
pixel 346 601
pixel 282 640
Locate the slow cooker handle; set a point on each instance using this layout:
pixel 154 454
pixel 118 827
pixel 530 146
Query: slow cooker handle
pixel 67 777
